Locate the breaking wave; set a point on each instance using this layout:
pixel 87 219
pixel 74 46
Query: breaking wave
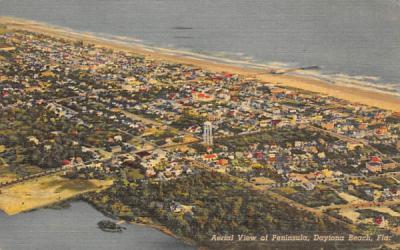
pixel 371 83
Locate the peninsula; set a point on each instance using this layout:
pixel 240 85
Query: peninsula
pixel 198 149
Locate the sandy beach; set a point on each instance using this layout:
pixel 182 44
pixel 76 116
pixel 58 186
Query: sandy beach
pixel 353 94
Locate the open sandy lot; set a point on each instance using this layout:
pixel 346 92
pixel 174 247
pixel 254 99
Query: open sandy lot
pixel 45 191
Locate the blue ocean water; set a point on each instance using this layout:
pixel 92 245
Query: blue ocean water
pixel 354 41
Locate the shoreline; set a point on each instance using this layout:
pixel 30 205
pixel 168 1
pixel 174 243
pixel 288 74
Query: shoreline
pixel 35 194
pixel 149 224
pixel 289 80
pixel 352 94
pixel 65 204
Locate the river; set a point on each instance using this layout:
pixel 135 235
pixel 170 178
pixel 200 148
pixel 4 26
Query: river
pixel 76 228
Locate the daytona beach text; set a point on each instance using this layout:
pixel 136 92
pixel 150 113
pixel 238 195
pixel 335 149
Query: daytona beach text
pixel 301 237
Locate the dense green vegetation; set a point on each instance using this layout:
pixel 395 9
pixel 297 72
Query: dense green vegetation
pixel 187 120
pixel 35 136
pixel 212 203
pixel 109 226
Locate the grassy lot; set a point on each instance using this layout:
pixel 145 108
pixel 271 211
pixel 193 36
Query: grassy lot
pixel 45 191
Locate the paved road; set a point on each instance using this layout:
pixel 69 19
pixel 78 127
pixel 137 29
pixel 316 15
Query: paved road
pixel 363 204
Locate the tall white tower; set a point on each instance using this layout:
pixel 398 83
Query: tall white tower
pixel 208 134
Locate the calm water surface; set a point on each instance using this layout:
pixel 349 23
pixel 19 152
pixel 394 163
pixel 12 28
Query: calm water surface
pixel 76 228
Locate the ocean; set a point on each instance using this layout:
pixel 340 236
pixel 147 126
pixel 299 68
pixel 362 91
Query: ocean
pixel 355 42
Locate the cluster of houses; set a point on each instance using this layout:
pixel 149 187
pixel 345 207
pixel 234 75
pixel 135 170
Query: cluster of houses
pixel 163 165
pixel 98 89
